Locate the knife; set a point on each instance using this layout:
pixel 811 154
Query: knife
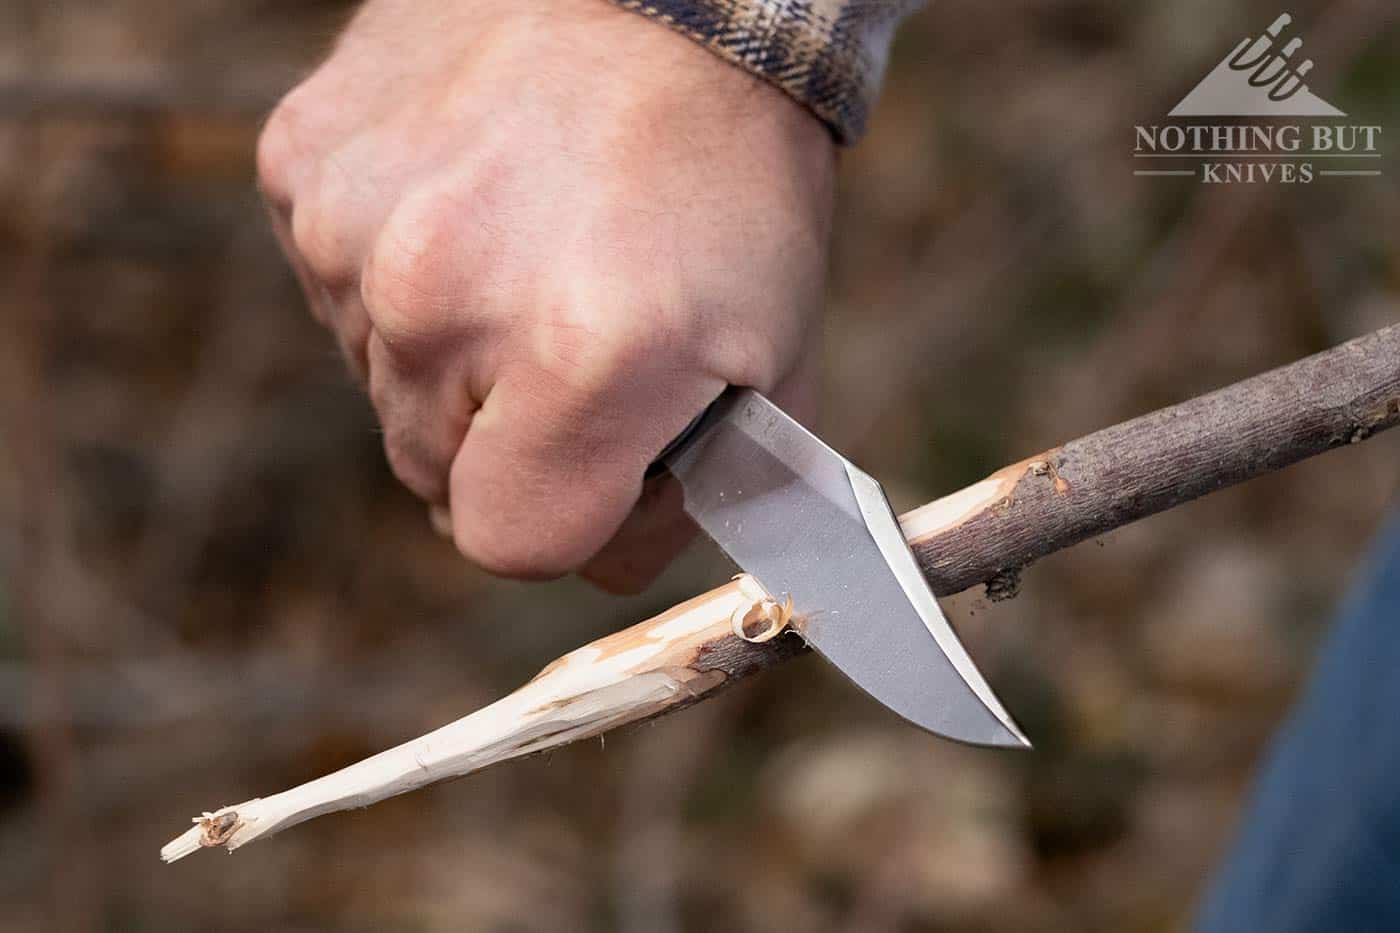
pixel 803 522
pixel 810 525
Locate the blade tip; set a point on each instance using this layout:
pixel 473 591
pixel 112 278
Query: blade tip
pixel 996 733
pixel 1016 741
pixel 999 731
pixel 1011 736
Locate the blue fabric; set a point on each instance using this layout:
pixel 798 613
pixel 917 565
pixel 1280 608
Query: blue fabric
pixel 1319 849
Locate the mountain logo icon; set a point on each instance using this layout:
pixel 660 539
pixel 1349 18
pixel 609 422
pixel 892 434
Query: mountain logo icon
pixel 1258 79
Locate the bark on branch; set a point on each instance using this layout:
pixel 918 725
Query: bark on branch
pixel 1140 467
pixel 983 534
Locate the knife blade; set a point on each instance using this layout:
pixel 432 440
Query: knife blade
pixel 807 523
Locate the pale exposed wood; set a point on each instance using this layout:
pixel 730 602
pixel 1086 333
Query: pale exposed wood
pixel 664 663
pixel 986 532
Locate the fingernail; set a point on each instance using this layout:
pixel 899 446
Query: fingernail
pixel 441 520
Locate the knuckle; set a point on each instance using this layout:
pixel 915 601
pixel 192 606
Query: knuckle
pixel 408 279
pixel 274 156
pixel 319 235
pixel 598 352
pixel 759 361
pixel 408 462
pixel 754 351
pixel 281 151
pixel 380 390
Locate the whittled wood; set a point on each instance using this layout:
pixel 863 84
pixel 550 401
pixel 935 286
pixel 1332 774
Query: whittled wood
pixel 984 533
pixel 682 655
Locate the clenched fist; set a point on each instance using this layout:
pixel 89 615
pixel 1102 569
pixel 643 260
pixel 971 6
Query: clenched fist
pixel 546 235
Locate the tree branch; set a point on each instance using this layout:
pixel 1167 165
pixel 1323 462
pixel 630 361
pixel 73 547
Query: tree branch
pixel 984 533
pixel 1140 467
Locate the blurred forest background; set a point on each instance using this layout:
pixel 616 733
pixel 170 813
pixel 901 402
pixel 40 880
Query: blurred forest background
pixel 212 587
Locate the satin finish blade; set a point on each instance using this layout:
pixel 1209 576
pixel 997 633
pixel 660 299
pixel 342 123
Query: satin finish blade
pixel 807 523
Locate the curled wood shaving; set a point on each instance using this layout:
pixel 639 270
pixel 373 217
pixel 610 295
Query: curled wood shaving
pixel 774 616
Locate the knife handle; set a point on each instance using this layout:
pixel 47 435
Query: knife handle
pixel 659 464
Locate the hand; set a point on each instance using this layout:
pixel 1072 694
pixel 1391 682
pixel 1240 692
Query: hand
pixel 546 235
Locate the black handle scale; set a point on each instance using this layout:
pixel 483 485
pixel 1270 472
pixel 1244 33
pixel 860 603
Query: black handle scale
pixel 659 464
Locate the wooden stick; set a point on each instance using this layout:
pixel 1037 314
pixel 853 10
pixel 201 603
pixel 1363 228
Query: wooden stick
pixel 662 664
pixel 991 530
pixel 984 533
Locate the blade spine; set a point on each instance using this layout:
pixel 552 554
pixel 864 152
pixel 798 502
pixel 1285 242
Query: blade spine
pixel 720 408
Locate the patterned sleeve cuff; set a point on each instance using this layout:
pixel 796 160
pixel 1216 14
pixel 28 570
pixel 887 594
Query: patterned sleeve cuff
pixel 828 54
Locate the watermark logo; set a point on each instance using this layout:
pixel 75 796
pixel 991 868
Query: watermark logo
pixel 1258 79
pixel 1262 77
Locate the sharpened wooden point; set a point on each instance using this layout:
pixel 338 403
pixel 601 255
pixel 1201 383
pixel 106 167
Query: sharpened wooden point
pixel 666 662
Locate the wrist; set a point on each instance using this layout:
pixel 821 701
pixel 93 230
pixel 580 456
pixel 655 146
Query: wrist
pixel 829 58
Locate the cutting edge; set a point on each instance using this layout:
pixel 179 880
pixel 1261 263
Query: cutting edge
pixel 884 528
